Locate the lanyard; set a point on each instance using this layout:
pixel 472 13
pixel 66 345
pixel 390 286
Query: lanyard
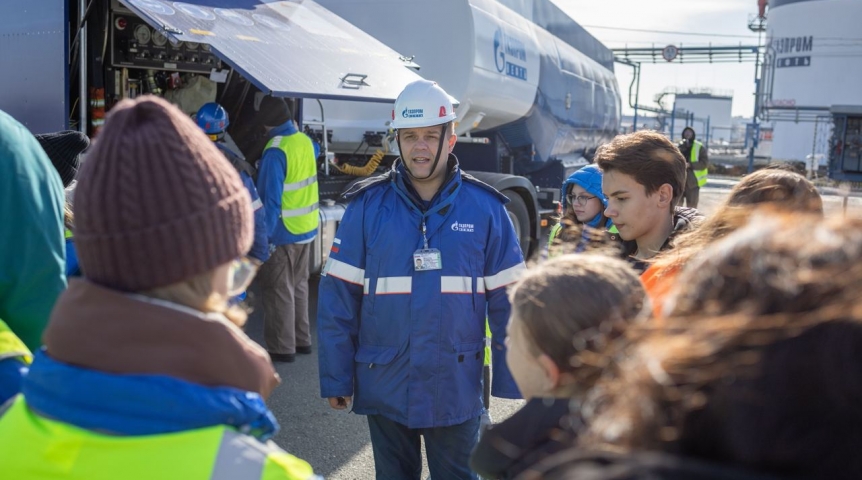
pixel 412 205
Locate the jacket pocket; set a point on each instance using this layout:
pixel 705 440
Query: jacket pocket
pixel 375 355
pixel 469 349
pixel 466 364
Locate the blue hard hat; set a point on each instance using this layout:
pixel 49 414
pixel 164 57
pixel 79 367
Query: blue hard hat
pixel 212 118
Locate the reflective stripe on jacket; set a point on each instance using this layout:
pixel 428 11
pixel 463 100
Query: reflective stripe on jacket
pixel 299 198
pixel 695 156
pixel 409 344
pixel 59 450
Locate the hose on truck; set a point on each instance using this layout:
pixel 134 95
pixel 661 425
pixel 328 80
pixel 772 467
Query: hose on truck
pixel 371 166
pixel 364 170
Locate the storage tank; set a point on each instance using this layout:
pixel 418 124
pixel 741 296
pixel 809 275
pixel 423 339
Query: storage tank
pixel 814 60
pixel 508 72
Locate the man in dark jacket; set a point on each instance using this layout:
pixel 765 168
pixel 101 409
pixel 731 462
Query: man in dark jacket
pixel 644 177
pixel 697 163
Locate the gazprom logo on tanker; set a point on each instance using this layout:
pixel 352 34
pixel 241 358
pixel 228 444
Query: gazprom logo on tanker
pixel 510 55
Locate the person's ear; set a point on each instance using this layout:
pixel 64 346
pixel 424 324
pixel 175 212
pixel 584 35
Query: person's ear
pixel 552 371
pixel 665 195
pixel 452 139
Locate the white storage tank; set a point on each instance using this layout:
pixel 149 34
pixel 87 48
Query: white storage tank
pixel 815 60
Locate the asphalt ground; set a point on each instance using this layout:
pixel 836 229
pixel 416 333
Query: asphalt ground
pixel 336 443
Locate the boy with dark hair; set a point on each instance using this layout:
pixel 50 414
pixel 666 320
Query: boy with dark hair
pixel 644 180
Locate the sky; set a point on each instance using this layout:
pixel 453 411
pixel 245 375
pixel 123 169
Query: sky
pixel 726 22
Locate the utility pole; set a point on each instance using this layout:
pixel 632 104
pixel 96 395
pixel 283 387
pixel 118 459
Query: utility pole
pixel 758 25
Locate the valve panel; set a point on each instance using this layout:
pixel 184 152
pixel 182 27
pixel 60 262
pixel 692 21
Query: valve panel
pixel 135 44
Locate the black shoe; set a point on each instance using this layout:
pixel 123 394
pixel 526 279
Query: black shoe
pixel 303 350
pixel 282 357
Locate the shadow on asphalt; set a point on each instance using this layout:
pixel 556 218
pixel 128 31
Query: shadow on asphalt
pixel 310 430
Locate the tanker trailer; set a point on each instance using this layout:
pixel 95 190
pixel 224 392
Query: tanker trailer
pixel 537 94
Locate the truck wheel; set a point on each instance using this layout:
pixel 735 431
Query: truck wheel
pixel 520 216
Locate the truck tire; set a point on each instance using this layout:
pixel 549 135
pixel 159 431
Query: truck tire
pixel 520 216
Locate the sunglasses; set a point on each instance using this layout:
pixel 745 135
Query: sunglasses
pixel 579 199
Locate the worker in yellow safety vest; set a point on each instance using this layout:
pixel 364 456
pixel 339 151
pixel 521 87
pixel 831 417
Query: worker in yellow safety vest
pixel 287 184
pixel 697 166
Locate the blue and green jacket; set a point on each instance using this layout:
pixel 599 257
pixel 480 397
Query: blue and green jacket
pixel 32 251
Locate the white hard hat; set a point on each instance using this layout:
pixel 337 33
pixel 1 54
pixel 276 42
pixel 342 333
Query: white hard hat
pixel 422 104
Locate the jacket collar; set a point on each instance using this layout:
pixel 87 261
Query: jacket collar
pixel 285 129
pixel 139 404
pixel 445 194
pixel 112 332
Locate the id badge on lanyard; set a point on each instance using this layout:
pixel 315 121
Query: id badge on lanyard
pixel 427 258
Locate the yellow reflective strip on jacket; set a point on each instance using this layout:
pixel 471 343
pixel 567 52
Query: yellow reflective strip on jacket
pixel 555 230
pixel 11 346
pixel 279 463
pixel 68 234
pixel 487 343
pixel 552 236
pixel 299 198
pixel 59 450
pixel 700 175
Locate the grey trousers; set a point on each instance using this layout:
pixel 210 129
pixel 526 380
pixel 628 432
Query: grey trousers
pixel 283 281
pixel 692 195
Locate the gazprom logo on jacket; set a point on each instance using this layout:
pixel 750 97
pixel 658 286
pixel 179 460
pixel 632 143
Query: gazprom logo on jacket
pixel 413 113
pixel 462 227
pixel 510 55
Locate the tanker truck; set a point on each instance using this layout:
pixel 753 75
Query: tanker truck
pixel 536 92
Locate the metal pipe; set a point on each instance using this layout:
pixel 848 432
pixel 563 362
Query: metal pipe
pixel 810 166
pixel 637 97
pixel 708 118
pixel 83 104
pixel 754 123
pixel 799 108
pixel 636 66
pixel 322 123
pixel 672 120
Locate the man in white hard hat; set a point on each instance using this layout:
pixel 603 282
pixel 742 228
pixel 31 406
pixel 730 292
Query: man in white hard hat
pixel 422 255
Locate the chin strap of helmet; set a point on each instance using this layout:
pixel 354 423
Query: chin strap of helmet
pixel 443 129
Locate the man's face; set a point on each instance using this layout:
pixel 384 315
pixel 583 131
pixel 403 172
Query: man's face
pixel 419 149
pixel 634 213
pixel 687 135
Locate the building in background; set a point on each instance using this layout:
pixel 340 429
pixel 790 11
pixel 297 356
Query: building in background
pixel 645 122
pixel 813 62
pixel 709 114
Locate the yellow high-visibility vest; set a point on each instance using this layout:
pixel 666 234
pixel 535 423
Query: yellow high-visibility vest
pixel 299 198
pixel 700 175
pixel 39 448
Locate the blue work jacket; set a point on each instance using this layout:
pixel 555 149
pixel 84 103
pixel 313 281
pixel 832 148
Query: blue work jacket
pixel 409 344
